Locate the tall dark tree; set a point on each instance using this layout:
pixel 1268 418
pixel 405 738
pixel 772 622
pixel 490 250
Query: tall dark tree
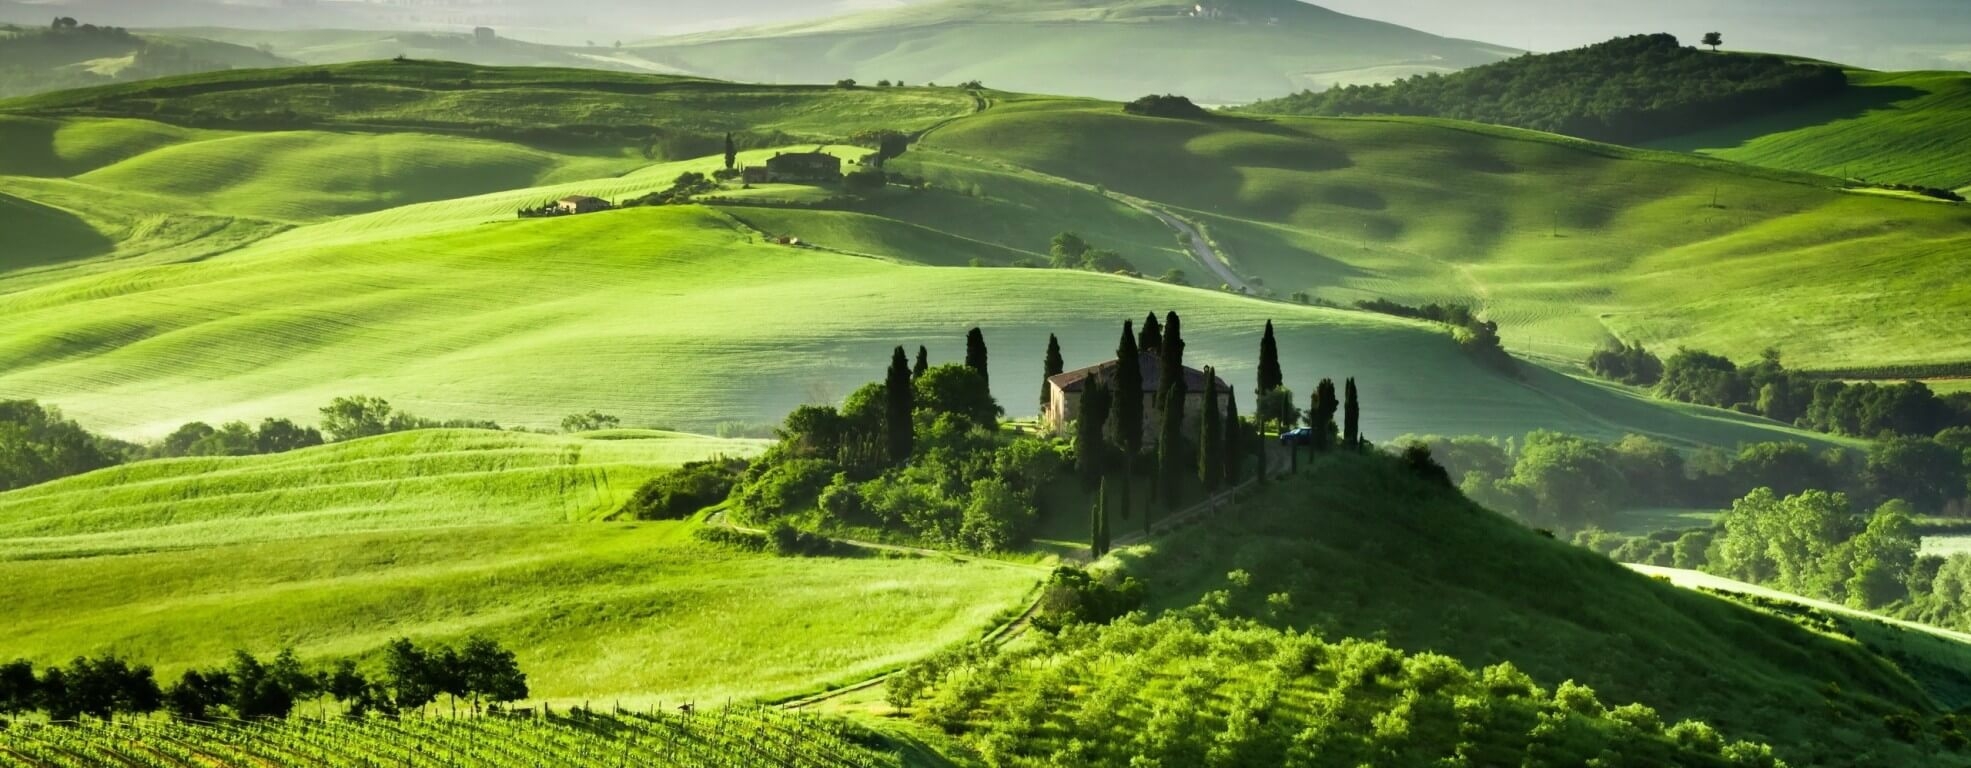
pixel 18 689
pixel 1126 415
pixel 1211 440
pixel 1322 418
pixel 1091 449
pixel 1050 367
pixel 731 152
pixel 1170 361
pixel 975 354
pixel 1098 520
pixel 1170 448
pixel 899 401
pixel 923 363
pixel 1351 435
pixel 1270 377
pixel 1233 446
pixel 1150 338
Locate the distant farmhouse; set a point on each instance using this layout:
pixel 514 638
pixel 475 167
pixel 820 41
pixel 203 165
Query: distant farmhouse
pixel 1064 396
pixel 804 166
pixel 581 204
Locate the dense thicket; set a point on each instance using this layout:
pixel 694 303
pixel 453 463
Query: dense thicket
pixel 1476 336
pixel 1767 388
pixel 37 445
pixel 1165 105
pixel 1629 89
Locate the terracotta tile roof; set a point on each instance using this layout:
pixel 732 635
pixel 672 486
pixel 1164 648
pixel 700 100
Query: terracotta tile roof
pixel 1152 370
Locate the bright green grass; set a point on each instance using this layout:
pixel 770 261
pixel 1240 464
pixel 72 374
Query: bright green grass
pixel 1111 49
pixel 441 534
pixel 1564 242
pixel 680 316
pixel 1890 127
pixel 411 480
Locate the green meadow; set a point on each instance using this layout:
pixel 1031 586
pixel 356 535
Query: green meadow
pixel 442 534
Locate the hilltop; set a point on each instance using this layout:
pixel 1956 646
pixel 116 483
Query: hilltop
pixel 50 58
pixel 1232 51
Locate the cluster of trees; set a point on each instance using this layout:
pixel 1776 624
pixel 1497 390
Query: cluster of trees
pixel 888 143
pixel 479 672
pixel 1166 105
pixel 1629 89
pixel 38 444
pixel 1767 388
pixel 1477 336
pixel 682 189
pixel 1069 251
pixel 360 416
pixel 235 438
pixel 1195 687
pixel 681 493
pixel 1570 483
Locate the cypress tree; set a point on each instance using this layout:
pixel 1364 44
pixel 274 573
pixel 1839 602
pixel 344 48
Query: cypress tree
pixel 923 363
pixel 731 152
pixel 1211 442
pixel 1322 418
pixel 1049 368
pixel 1098 521
pixel 1090 448
pixel 1126 413
pixel 1171 360
pixel 1170 446
pixel 975 354
pixel 1234 444
pixel 1150 339
pixel 1351 436
pixel 900 400
pixel 1270 377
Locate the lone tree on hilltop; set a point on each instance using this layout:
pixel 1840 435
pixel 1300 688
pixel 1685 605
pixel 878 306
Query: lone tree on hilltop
pixel 1270 377
pixel 1050 367
pixel 1351 435
pixel 1151 336
pixel 899 401
pixel 1714 39
pixel 923 363
pixel 975 354
pixel 731 152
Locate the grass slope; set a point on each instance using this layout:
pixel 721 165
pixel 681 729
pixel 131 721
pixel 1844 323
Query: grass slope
pixel 1363 549
pixel 1564 242
pixel 1890 127
pixel 34 60
pixel 1247 49
pixel 442 534
pixel 659 315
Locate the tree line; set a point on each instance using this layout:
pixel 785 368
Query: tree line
pixel 1627 90
pixel 1570 483
pixel 1477 336
pixel 1766 387
pixel 478 672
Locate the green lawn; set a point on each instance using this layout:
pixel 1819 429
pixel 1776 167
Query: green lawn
pixel 436 535
pixel 1890 127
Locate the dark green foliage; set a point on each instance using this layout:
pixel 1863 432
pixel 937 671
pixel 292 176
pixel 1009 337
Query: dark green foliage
pixel 1714 39
pixel 1321 417
pixel 1236 442
pixel 899 407
pixel 1278 405
pixel 1270 377
pixel 866 180
pixel 889 144
pixel 1172 448
pixel 1126 413
pixel 1091 446
pixel 785 487
pixel 1069 251
pixel 19 691
pixel 1416 458
pixel 1098 521
pixel 1211 436
pixel 1166 105
pixel 1476 336
pixel 1768 389
pixel 976 354
pixel 681 493
pixel 1351 431
pixel 957 390
pixel 1170 357
pixel 1051 365
pixel 1627 90
pixel 351 418
pixel 1626 363
pixel 731 152
pixel 780 538
pixel 38 445
pixel 1074 596
pixel 922 365
pixel 682 189
pixel 1150 336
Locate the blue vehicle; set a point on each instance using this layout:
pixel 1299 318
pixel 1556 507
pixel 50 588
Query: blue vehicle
pixel 1302 436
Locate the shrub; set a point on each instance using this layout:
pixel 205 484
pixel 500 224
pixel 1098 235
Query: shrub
pixel 1167 105
pixel 681 493
pixel 786 487
pixel 1074 596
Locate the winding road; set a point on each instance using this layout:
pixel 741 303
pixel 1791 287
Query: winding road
pixel 1200 247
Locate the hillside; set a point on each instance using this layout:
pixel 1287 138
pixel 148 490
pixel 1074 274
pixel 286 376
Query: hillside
pixel 1360 548
pixel 1887 127
pixel 1565 243
pixel 1234 51
pixel 40 59
pixel 1626 90
pixel 440 534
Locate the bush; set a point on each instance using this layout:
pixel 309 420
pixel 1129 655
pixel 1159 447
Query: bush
pixel 681 493
pixel 1167 105
pixel 1073 596
pixel 786 488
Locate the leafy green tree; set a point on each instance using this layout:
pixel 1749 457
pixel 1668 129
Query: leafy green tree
pixel 1714 39
pixel 975 354
pixel 281 436
pixel 900 407
pixel 18 688
pixel 1322 417
pixel 408 674
pixel 957 390
pixel 197 693
pixel 37 445
pixel 1068 251
pixel 256 693
pixel 1278 405
pixel 349 687
pixel 1883 554
pixel 53 698
pixel 1570 481
pixel 1050 366
pixel 1351 434
pixel 181 441
pixel 351 418
pixel 1211 441
pixel 591 421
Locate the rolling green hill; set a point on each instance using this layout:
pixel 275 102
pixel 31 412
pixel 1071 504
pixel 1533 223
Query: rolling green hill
pixel 338 46
pixel 40 59
pixel 1235 51
pixel 442 534
pixel 1889 127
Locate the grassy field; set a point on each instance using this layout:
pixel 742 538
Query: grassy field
pixel 1564 242
pixel 442 534
pixel 1890 127
pixel 1256 49
pixel 33 61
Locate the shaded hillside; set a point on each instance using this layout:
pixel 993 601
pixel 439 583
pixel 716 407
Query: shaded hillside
pixel 51 58
pixel 1232 51
pixel 1626 90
